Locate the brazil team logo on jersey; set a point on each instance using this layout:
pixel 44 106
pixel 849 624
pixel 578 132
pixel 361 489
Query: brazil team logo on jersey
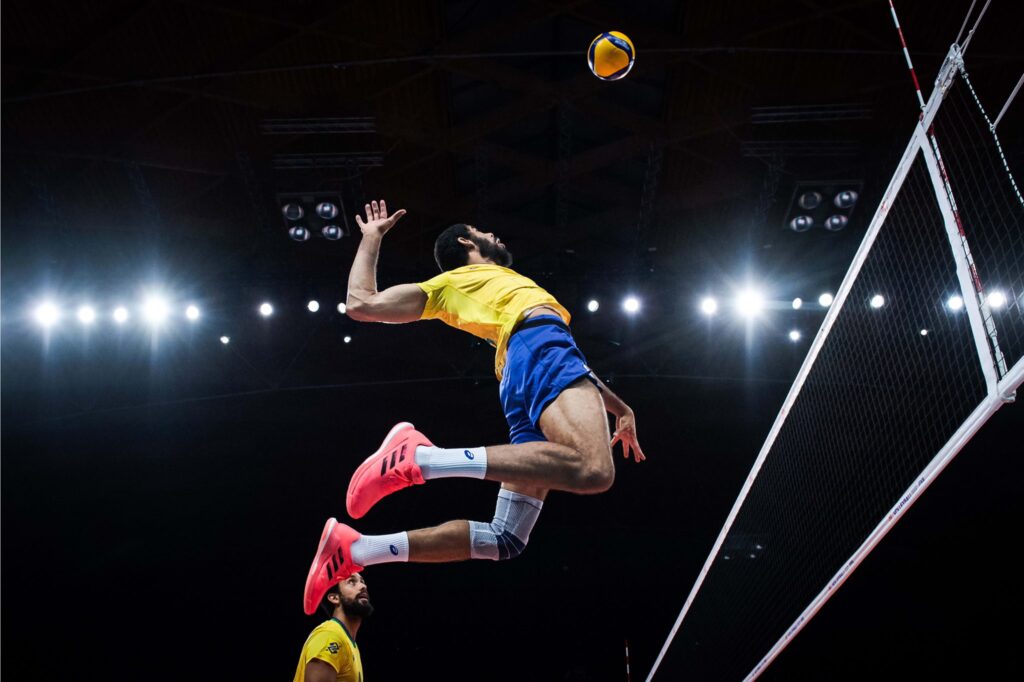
pixel 333 647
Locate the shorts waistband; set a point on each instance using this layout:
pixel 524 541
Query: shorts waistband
pixel 539 321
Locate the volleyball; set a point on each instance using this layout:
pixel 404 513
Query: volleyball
pixel 611 55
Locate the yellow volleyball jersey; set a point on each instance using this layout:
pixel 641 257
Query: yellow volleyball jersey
pixel 331 643
pixel 485 300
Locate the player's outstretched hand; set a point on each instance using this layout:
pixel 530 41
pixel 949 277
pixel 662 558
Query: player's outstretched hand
pixel 378 222
pixel 625 433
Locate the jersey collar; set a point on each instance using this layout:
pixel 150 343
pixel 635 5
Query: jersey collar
pixel 347 633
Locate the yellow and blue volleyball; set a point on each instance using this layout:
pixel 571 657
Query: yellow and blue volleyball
pixel 611 55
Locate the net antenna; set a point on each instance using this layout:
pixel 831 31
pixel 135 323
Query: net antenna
pixel 885 398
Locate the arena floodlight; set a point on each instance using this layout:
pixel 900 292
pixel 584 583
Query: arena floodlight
pixel 593 305
pixel 326 210
pixel 955 303
pixel 749 303
pixel 120 314
pixel 996 299
pixel 192 312
pixel 347 339
pixel 924 332
pixel 708 305
pixel 155 310
pixel 86 314
pixel 47 314
pixel 845 199
pixel 877 301
pixel 809 200
pixel 332 232
pixel 825 300
pixel 293 211
pixel 313 306
pixel 631 304
pixel 225 340
pixel 298 233
pixel 798 303
pixel 801 223
pixel 834 223
pixel 342 308
pixel 794 335
pixel 266 310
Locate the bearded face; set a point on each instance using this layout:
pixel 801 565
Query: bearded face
pixel 358 606
pixel 492 249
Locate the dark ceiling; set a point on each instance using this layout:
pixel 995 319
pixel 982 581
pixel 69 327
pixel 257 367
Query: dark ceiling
pixel 161 497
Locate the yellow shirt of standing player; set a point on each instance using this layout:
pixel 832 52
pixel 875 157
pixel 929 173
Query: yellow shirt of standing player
pixel 487 301
pixel 331 643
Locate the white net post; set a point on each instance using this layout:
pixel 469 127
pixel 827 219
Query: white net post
pixel 992 362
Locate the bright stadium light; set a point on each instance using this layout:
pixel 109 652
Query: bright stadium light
pixel 192 312
pixel 924 332
pixel 313 306
pixel 955 303
pixel 154 309
pixel 225 340
pixel 794 336
pixel 877 301
pixel 342 308
pixel 266 310
pixel 749 303
pixel 86 314
pixel 47 314
pixel 120 314
pixel 996 299
pixel 631 304
pixel 825 300
pixel 798 303
pixel 708 305
pixel 347 339
pixel 593 305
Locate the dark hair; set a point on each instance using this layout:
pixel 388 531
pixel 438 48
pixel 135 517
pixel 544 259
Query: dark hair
pixel 325 604
pixel 448 252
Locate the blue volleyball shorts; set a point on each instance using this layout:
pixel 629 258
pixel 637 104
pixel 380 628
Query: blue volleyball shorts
pixel 542 361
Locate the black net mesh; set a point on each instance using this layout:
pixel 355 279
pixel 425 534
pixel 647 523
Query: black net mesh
pixel 876 407
pixel 990 207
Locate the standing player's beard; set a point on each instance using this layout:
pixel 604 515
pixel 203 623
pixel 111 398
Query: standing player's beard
pixel 357 608
pixel 491 251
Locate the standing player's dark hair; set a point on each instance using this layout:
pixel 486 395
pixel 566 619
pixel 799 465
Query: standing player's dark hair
pixel 448 252
pixel 325 604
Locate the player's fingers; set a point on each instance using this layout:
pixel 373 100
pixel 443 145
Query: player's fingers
pixel 369 213
pixel 398 214
pixel 383 209
pixel 359 220
pixel 376 209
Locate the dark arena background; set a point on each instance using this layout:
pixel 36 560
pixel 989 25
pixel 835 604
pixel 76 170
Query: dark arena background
pixel 164 480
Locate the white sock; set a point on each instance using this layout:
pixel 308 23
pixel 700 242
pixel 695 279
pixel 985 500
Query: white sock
pixel 380 549
pixel 451 462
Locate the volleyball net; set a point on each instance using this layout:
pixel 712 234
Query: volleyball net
pixel 885 398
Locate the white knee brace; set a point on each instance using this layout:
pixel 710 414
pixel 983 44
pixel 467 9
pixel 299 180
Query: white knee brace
pixel 506 536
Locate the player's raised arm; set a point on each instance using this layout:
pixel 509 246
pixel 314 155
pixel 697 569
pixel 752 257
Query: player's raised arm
pixel 401 303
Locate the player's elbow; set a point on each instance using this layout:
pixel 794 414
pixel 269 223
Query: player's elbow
pixel 359 311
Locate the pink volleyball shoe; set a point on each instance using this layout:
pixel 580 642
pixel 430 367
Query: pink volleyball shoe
pixel 390 469
pixel 332 563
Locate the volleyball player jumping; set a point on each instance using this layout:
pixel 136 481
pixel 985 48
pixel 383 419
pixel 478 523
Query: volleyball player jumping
pixel 554 404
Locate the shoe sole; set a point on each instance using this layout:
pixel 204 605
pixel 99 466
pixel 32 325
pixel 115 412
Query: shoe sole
pixel 325 538
pixel 363 468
